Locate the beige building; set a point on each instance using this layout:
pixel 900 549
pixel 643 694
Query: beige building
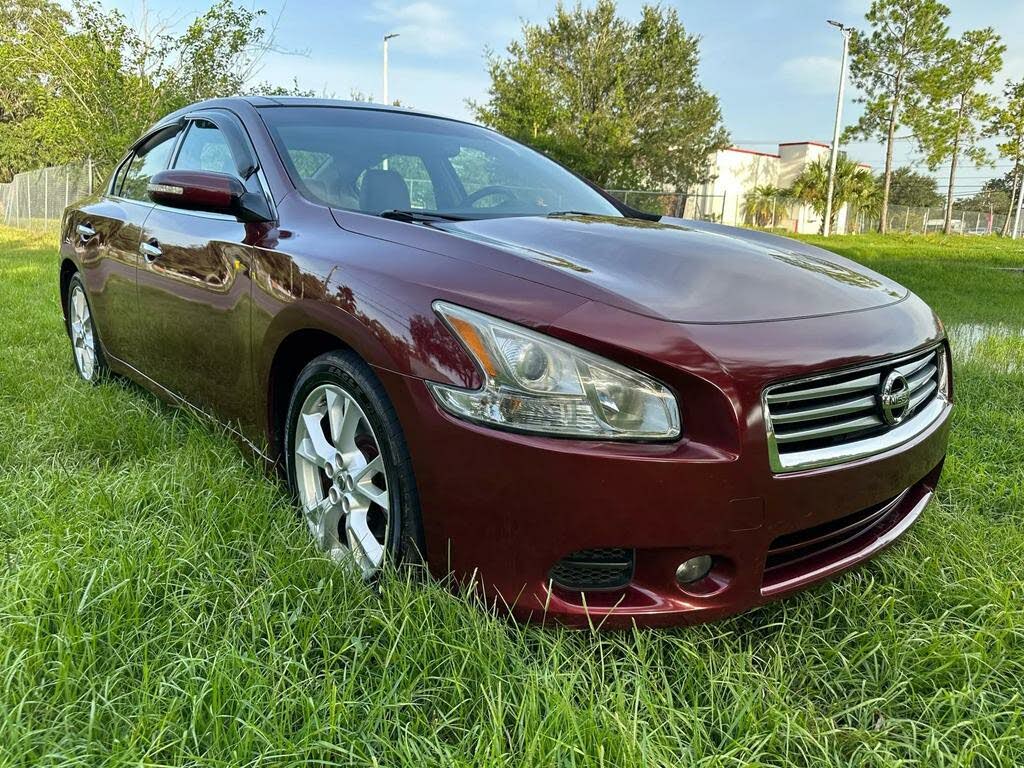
pixel 737 171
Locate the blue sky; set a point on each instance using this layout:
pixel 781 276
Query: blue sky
pixel 773 64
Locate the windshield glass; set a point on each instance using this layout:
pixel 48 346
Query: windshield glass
pixel 374 161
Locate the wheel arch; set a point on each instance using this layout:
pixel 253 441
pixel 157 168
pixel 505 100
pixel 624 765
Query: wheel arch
pixel 397 342
pixel 68 269
pixel 291 354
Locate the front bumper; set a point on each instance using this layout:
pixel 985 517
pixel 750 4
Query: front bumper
pixel 502 509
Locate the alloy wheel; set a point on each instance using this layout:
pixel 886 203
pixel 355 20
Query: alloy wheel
pixel 342 479
pixel 83 340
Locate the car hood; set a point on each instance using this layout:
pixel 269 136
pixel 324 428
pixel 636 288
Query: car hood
pixel 681 271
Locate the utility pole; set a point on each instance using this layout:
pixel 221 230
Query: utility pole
pixel 1016 217
pixel 386 38
pixel 833 155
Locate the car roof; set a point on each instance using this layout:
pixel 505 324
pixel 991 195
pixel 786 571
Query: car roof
pixel 269 102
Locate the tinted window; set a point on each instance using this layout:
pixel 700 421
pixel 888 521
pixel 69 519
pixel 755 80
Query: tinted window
pixel 415 175
pixel 373 160
pixel 150 158
pixel 204 148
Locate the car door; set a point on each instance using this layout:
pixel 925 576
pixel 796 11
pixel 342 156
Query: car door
pixel 194 285
pixel 106 232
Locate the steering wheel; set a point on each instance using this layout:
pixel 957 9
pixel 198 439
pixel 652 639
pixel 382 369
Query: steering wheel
pixel 493 189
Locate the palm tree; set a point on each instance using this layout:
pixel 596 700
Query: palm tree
pixel 853 184
pixel 759 204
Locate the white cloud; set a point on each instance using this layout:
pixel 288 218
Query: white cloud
pixel 424 27
pixel 811 74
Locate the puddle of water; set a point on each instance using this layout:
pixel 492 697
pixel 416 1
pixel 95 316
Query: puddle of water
pixel 996 346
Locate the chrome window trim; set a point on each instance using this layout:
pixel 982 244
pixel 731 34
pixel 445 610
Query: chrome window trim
pixel 917 424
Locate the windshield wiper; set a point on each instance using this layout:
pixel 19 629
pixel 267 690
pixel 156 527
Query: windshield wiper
pixel 555 214
pixel 417 216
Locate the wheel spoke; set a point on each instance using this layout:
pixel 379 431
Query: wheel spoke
pixel 368 470
pixel 360 535
pixel 305 451
pixel 323 451
pixel 337 404
pixel 324 518
pixel 345 436
pixel 371 492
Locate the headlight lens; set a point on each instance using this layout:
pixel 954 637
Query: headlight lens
pixel 534 383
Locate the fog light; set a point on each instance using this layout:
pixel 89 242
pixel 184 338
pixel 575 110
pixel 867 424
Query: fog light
pixel 694 569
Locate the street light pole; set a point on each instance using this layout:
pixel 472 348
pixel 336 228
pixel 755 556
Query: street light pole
pixel 833 155
pixel 386 38
pixel 1016 218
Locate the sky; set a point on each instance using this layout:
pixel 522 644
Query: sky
pixel 774 64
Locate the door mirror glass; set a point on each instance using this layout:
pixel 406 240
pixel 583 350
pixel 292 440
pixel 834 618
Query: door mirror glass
pixel 207 191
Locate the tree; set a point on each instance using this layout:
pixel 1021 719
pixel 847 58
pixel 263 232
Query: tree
pixel 761 203
pixel 995 197
pixel 83 81
pixel 854 186
pixel 1007 124
pixel 21 88
pixel 912 189
pixel 619 102
pixel 948 123
pixel 906 36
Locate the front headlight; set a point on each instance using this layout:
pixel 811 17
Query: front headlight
pixel 534 383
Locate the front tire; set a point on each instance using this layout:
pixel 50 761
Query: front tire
pixel 348 466
pixel 85 344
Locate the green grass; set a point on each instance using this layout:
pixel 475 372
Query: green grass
pixel 967 279
pixel 160 605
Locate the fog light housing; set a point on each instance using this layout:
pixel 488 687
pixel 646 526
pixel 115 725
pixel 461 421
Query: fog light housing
pixel 694 569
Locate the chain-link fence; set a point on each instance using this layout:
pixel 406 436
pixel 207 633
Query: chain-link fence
pixel 679 204
pixel 922 221
pixel 794 216
pixel 36 199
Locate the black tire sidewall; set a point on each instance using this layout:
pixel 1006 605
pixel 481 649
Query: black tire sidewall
pixel 346 370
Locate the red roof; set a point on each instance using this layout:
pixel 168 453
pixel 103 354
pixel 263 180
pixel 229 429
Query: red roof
pixel 808 143
pixel 750 152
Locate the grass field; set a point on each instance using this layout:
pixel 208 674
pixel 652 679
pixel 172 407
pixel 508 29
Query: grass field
pixel 160 605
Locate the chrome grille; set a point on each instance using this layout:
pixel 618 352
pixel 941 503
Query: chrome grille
pixel 841 416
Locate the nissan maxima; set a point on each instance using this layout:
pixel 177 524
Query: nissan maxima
pixel 461 354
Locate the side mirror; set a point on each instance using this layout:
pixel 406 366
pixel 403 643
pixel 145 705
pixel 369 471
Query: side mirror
pixel 208 191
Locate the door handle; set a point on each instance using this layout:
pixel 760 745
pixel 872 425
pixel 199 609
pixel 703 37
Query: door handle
pixel 150 250
pixel 85 232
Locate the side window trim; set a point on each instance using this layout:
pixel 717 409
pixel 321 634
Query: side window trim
pixel 117 178
pixel 177 144
pixel 133 156
pixel 243 152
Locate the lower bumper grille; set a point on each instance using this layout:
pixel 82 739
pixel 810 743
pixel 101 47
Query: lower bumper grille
pixel 792 548
pixel 594 569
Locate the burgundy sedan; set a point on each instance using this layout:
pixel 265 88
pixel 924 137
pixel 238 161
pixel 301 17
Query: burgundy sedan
pixel 462 354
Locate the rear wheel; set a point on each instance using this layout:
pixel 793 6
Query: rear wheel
pixel 348 466
pixel 89 360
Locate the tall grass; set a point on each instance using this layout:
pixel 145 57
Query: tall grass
pixel 160 605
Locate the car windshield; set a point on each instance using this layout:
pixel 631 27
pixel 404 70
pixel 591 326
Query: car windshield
pixel 377 161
